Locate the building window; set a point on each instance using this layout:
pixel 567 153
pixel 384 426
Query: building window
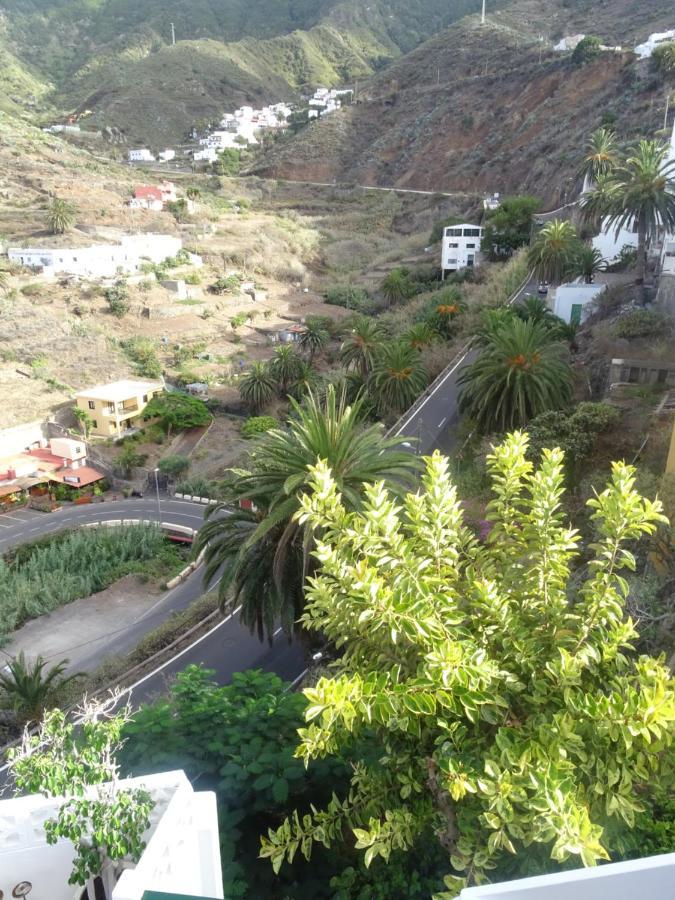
pixel 470 246
pixel 94 423
pixel 453 246
pixel 91 404
pixel 472 232
pixel 453 232
pixel 145 398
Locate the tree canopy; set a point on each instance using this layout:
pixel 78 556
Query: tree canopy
pixel 513 718
pixel 508 227
pixel 177 412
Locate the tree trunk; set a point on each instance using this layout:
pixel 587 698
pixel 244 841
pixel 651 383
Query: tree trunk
pixel 641 258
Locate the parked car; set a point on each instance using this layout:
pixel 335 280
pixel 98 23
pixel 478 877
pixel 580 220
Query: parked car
pixel 542 288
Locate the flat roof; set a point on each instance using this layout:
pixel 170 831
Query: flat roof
pixel 120 390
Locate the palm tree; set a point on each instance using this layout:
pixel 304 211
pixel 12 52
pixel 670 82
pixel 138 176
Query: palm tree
pixel 359 349
pixel 31 689
pixel 285 366
pixel 307 380
pixel 257 386
pixel 492 322
pixel 553 250
pixel 193 193
pixel 264 555
pixel 645 197
pixel 419 336
pixel 587 261
pixel 597 203
pixel 602 156
pixel 314 338
pixel 398 377
pixel 534 309
pixel 395 287
pixel 60 215
pixel 520 372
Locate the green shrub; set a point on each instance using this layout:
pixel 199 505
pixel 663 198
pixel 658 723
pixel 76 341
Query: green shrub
pixel 199 487
pixel 117 296
pixel 586 50
pixel 193 278
pixel 226 284
pixel 143 354
pixel 239 320
pixel 31 290
pixel 640 323
pixel 350 297
pixel 258 425
pixel 174 465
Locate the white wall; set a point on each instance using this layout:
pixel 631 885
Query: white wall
pixel 182 853
pixel 610 244
pixel 652 878
pixel 16 439
pixel 668 258
pixel 99 260
pixel 568 295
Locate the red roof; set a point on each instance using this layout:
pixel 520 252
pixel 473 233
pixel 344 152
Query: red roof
pixel 148 192
pixel 85 474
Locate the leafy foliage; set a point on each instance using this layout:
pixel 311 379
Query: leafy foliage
pixel 640 323
pixel 554 249
pixel 586 50
pixel 508 227
pixel 129 458
pixel 174 466
pixel 602 155
pixel 397 286
pixel 520 372
pixel 106 824
pixel 349 297
pixel 663 59
pixel 177 412
pixel 315 338
pixel 226 284
pixel 361 346
pixel 258 425
pixel 118 298
pixel 509 710
pixel 143 354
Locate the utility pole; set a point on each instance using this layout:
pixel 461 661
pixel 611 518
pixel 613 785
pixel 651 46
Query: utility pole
pixel 665 115
pixel 482 16
pixel 173 35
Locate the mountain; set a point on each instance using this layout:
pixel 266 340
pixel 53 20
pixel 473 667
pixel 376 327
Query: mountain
pixel 488 107
pixel 115 57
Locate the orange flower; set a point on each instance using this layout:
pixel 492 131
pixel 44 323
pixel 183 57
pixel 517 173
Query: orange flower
pixel 517 360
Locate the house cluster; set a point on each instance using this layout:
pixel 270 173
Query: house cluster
pixel 38 468
pixel 241 128
pixel 328 100
pixel 153 196
pixel 99 260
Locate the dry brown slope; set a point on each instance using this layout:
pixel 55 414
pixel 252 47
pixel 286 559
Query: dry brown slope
pixel 475 108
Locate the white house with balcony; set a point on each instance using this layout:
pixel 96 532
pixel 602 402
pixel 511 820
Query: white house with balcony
pixel 181 856
pixel 460 247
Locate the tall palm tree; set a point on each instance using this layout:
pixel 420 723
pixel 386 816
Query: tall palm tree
pixel 257 386
pixel 520 372
pixel 360 347
pixel 30 688
pixel 602 155
pixel 285 366
pixel 419 336
pixel 645 197
pixel 314 338
pixel 60 215
pixel 492 321
pixel 587 261
pixel 395 287
pixel 600 201
pixel 307 380
pixel 553 250
pixel 264 555
pixel 534 309
pixel 398 377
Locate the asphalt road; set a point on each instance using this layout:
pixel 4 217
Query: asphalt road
pixel 432 423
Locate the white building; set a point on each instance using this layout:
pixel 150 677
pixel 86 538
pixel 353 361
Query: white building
pixel 167 155
pixel 460 247
pixel 181 857
pixel 571 302
pixel 610 243
pixel 208 154
pixel 98 260
pixel 651 878
pixel 141 155
pixel 644 51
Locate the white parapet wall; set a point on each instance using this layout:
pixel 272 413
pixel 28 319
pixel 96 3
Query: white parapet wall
pixel 182 854
pixel 651 878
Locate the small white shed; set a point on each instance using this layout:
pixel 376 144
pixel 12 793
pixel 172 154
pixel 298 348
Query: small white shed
pixel 571 301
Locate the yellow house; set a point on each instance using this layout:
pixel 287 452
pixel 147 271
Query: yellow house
pixel 116 407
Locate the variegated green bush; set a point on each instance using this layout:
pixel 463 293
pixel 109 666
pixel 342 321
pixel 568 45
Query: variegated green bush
pixel 497 678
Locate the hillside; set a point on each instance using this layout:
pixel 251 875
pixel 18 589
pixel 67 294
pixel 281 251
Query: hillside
pixel 115 57
pixel 489 108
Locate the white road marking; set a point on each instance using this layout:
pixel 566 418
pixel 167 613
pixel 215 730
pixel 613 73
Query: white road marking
pixel 442 422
